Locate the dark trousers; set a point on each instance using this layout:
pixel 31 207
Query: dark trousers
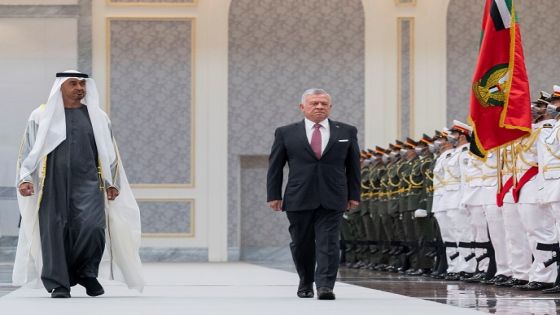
pixel 315 242
pixel 426 236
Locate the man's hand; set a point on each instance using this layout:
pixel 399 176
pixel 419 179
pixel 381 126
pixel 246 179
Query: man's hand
pixel 275 205
pixel 112 193
pixel 26 189
pixel 352 204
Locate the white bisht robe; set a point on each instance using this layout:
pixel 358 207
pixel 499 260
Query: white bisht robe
pixel 45 131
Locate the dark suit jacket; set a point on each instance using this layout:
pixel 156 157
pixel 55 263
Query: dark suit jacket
pixel 328 182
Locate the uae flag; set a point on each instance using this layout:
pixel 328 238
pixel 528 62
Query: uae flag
pixel 500 109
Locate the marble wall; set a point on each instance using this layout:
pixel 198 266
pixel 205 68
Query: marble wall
pixel 277 49
pixel 463 37
pixel 171 217
pixel 151 101
pixel 150 104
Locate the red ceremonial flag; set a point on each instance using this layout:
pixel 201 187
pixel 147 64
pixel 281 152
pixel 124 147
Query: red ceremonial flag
pixel 500 109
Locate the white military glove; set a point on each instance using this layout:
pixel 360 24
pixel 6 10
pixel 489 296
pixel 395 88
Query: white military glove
pixel 420 213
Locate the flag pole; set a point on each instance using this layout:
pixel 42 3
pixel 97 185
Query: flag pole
pixel 499 169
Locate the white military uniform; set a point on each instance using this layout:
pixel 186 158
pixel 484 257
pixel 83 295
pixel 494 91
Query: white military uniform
pixel 443 221
pixel 537 221
pixel 549 167
pixel 519 251
pixel 493 214
pixel 456 219
pixel 479 191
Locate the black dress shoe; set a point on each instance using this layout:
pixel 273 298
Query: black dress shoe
pixel 358 265
pixel 402 270
pixel 60 293
pixel 465 275
pixel 512 282
pixel 93 287
pixel 421 272
pixel 554 289
pixel 439 276
pixel 476 278
pixel 488 281
pixel 325 294
pixel 534 286
pixel 498 279
pixel 380 267
pixel 305 290
pixel 305 293
pixel 349 264
pixel 393 269
pixel 452 276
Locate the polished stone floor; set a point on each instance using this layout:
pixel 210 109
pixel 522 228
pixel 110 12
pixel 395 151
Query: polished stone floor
pixel 477 297
pixel 486 298
pixel 219 288
pixel 5 278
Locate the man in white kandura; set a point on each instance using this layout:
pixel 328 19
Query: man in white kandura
pixel 79 217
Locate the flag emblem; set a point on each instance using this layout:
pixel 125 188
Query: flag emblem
pixel 491 90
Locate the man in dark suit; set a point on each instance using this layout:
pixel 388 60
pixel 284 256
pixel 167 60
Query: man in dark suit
pixel 324 180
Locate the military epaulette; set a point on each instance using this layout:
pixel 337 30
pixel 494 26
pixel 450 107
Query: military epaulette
pixel 547 126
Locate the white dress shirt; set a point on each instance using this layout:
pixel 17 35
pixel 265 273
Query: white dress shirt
pixel 325 132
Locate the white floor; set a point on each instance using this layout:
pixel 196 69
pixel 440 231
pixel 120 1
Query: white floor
pixel 228 288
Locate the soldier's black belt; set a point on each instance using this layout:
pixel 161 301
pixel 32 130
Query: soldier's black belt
pixel 467 245
pixel 450 244
pixel 548 247
pixel 486 245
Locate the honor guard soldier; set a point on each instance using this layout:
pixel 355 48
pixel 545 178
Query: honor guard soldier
pixel 377 210
pixel 430 185
pixel 393 197
pixel 457 213
pixel 441 207
pixel 479 190
pixel 409 190
pixel 418 200
pixel 526 213
pixel 371 240
pixel 518 244
pixel 487 191
pixel 350 230
pixel 355 231
pixel 549 165
pixel 386 217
